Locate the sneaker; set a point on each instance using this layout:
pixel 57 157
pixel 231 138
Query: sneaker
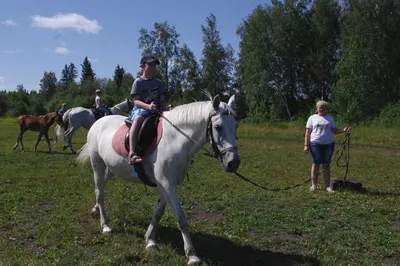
pixel 329 190
pixel 313 187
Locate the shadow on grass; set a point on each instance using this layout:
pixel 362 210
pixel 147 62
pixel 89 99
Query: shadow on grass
pixel 370 192
pixel 216 250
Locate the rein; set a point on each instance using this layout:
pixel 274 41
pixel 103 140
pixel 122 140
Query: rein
pixel 343 148
pixel 184 134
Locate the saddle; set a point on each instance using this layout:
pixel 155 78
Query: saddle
pixel 98 113
pixel 149 136
pixel 146 137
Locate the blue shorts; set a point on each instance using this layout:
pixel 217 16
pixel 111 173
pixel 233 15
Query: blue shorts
pixel 139 111
pixel 321 153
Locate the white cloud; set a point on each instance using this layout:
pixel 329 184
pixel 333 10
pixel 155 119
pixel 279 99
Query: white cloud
pixel 62 50
pixel 9 22
pixel 1 80
pixel 11 51
pixel 65 21
pixel 93 60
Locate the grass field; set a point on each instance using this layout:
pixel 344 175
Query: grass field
pixel 45 203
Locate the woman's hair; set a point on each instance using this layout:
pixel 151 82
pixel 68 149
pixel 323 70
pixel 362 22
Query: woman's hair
pixel 321 102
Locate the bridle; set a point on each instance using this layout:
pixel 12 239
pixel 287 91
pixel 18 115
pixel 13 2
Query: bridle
pixel 217 153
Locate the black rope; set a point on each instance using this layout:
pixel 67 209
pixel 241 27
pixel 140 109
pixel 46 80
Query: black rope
pixel 343 149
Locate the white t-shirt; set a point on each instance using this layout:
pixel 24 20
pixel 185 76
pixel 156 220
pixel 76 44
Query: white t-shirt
pixel 321 128
pixel 97 101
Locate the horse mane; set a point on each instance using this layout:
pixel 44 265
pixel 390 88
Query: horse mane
pixel 191 113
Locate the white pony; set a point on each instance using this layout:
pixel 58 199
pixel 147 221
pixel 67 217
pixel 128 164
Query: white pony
pixel 169 163
pixel 82 117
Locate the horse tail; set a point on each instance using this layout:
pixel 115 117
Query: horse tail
pixel 60 130
pixel 83 155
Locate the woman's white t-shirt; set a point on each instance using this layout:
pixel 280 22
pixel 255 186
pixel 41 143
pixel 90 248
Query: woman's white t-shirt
pixel 321 128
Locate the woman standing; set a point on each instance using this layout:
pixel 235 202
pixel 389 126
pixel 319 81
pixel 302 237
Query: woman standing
pixel 320 142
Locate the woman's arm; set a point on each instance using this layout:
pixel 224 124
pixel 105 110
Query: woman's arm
pixel 336 130
pixel 307 139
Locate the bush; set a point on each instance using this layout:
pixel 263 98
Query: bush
pixel 390 115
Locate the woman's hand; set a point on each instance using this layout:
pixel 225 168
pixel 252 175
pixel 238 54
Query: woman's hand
pixel 347 129
pixel 306 148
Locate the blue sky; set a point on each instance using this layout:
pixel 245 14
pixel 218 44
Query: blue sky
pixel 44 35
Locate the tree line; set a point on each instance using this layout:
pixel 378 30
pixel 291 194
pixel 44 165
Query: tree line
pixel 291 54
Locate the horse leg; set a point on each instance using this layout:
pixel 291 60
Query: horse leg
pixel 19 138
pixel 170 195
pixel 95 210
pixel 48 141
pixel 38 140
pixel 150 235
pixel 17 143
pixel 101 173
pixel 68 138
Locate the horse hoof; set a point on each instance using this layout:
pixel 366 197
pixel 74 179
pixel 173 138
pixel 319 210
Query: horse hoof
pixel 106 230
pixel 194 260
pixel 151 246
pixel 73 152
pixel 65 147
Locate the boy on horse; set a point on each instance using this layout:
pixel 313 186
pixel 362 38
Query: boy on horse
pixel 100 106
pixel 148 96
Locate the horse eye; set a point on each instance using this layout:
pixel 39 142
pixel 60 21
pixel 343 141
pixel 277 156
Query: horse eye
pixel 218 128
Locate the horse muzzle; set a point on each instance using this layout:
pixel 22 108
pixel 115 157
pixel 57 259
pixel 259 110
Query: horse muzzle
pixel 231 161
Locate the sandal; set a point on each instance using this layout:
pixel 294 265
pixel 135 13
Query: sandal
pixel 135 159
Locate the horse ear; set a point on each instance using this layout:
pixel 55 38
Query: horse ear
pixel 232 102
pixel 216 102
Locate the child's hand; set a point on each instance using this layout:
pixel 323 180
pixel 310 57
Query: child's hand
pixel 152 106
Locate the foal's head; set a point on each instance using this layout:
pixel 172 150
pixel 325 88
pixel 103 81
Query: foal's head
pixel 221 131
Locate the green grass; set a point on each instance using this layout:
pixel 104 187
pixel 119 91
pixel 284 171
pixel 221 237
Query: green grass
pixel 45 203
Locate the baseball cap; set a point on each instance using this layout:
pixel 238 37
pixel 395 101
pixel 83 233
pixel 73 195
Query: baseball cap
pixel 149 59
pixel 98 90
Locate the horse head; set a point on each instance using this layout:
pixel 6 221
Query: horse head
pixel 221 133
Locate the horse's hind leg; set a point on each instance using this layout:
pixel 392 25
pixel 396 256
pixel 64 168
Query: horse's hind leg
pixel 48 141
pixel 170 195
pixel 17 143
pixel 68 139
pixel 150 235
pixel 101 176
pixel 19 139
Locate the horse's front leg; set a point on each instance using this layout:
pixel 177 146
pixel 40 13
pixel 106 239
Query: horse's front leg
pixel 169 193
pixel 38 140
pixel 150 235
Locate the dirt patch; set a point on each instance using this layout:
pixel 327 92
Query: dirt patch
pixel 395 226
pixel 390 260
pixel 198 212
pixel 257 233
pixel 45 206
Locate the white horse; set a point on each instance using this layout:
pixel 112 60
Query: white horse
pixel 82 117
pixel 169 163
